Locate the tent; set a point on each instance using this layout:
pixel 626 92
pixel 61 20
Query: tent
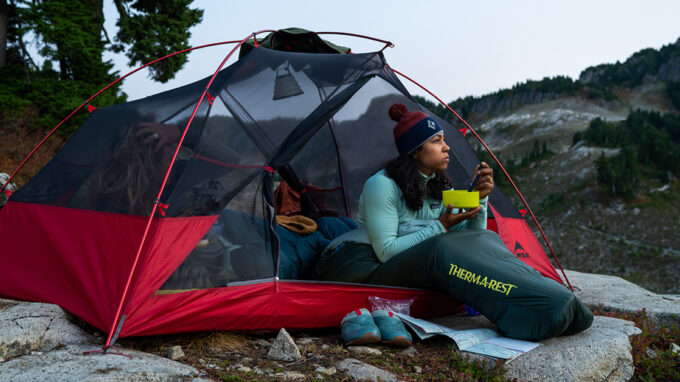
pixel 139 234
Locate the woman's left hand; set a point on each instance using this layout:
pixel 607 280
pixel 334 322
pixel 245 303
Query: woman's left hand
pixel 485 183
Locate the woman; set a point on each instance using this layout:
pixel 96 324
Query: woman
pixel 128 178
pixel 409 239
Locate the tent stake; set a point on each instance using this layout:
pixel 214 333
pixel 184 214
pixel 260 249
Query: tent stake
pixel 115 335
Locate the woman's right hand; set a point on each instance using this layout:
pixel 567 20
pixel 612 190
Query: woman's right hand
pixel 449 219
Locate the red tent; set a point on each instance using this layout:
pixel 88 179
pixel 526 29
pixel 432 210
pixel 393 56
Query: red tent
pixel 157 215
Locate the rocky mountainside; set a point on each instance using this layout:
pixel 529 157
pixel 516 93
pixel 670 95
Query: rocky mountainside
pixel 635 238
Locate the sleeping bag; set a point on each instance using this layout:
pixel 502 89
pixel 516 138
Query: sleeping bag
pixel 298 252
pixel 476 268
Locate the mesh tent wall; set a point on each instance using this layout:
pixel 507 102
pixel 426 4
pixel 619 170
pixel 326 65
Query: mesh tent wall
pixel 70 234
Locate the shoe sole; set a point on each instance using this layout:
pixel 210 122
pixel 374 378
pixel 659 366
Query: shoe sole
pixel 399 341
pixel 367 338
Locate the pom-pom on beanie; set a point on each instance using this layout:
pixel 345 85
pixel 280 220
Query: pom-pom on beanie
pixel 413 128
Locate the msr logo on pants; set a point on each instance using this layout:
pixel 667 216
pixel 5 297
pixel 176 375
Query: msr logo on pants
pixel 520 252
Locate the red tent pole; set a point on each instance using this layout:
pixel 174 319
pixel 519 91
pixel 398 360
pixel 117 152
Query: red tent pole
pixel 108 343
pixel 502 168
pixel 97 94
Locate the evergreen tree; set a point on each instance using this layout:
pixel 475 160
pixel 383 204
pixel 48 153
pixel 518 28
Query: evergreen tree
pixel 72 41
pixel 154 28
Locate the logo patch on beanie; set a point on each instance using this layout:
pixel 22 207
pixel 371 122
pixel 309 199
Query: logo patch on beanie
pixel 431 124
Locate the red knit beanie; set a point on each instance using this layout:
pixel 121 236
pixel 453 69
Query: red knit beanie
pixel 413 128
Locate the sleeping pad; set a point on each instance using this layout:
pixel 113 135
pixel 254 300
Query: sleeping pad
pixel 476 268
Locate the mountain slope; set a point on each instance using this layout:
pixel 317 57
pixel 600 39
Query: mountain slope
pixel 589 230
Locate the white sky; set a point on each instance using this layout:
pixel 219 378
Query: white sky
pixel 454 48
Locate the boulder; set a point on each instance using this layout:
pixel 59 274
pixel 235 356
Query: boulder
pixel 70 364
pixel 364 372
pixel 613 293
pixel 601 353
pixel 26 327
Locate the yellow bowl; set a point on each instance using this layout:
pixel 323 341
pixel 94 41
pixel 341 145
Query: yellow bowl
pixel 460 199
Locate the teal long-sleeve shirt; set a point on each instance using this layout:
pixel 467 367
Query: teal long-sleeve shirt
pixel 382 210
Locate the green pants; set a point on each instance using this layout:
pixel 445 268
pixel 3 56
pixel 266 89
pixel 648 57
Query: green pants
pixel 476 268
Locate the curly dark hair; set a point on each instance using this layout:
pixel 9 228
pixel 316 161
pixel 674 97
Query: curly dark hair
pixel 406 174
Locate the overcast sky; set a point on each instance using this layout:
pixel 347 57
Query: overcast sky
pixel 454 48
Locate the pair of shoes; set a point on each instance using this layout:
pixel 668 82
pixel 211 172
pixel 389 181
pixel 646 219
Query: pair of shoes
pixel 360 327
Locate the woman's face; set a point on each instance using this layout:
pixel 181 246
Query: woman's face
pixel 433 155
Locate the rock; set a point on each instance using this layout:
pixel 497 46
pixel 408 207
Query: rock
pixel 651 353
pixel 675 349
pixel 326 371
pixel 70 364
pixel 616 294
pixel 289 376
pixel 4 177
pixel 363 372
pixel 409 351
pixel 261 342
pixel 601 353
pixel 357 350
pixel 243 369
pixel 417 369
pixel 174 353
pixel 246 360
pixel 306 341
pixel 26 327
pixel 325 347
pixel 284 348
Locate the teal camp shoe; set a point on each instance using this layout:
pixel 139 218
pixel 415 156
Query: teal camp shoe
pixel 358 328
pixel 392 330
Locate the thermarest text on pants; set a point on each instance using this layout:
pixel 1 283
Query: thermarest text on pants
pixel 470 277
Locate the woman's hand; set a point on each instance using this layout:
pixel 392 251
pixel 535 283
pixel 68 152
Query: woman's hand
pixel 449 219
pixel 158 134
pixel 485 183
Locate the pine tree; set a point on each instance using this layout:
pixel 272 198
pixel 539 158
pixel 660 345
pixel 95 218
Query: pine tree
pixel 72 41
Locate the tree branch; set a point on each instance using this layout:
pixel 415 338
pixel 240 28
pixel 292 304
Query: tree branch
pixel 120 6
pixel 24 52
